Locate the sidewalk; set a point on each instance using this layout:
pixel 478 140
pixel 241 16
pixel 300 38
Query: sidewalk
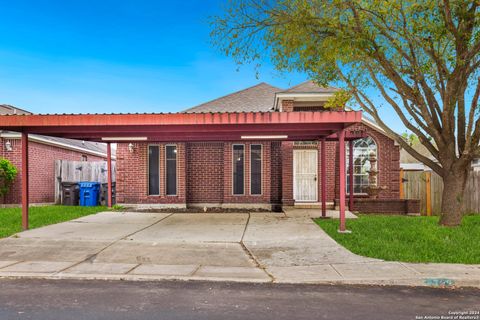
pixel 259 247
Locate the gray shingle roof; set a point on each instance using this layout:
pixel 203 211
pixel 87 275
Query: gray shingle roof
pixel 6 109
pixel 252 99
pixel 310 87
pixel 89 145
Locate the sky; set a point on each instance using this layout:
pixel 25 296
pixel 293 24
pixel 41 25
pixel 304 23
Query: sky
pixel 119 56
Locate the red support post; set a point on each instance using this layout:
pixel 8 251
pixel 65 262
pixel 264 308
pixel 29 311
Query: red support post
pixel 25 203
pixel 341 142
pixel 350 176
pixel 323 184
pixel 109 174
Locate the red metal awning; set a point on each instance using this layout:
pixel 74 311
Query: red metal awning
pixel 187 126
pixel 184 127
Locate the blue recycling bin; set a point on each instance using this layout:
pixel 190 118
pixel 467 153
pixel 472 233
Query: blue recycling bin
pixel 89 193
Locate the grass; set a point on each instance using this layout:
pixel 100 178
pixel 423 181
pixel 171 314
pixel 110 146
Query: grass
pixel 409 239
pixel 11 218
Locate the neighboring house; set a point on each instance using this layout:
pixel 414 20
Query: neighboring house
pixel 43 151
pixel 408 162
pixel 254 173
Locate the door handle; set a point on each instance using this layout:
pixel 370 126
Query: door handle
pixel 315 179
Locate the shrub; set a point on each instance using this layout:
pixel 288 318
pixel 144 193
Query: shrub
pixel 8 172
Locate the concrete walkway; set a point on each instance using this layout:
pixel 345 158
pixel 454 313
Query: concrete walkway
pixel 257 247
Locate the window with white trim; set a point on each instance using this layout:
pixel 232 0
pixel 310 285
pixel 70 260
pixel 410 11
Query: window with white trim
pixel 361 164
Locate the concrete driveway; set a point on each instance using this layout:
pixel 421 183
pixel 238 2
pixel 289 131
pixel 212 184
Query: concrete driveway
pixel 256 247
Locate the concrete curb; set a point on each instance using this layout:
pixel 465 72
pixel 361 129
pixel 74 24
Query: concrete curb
pixel 408 282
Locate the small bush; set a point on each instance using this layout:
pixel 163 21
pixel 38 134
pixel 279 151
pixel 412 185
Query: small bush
pixel 8 172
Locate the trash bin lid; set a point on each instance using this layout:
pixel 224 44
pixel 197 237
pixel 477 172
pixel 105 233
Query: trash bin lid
pixel 69 183
pixel 88 184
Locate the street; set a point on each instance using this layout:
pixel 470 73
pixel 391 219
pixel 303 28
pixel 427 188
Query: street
pixel 66 299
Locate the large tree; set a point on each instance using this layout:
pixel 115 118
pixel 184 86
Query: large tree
pixel 421 56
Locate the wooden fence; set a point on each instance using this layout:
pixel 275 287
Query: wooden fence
pixel 76 171
pixel 428 187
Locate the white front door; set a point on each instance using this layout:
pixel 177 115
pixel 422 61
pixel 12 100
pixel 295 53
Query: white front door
pixel 305 175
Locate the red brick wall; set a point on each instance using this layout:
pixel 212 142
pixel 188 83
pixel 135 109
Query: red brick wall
pixel 208 174
pixel 387 206
pixel 287 173
pixel 276 173
pixel 205 172
pixel 132 174
pixel 287 105
pixel 41 169
pixel 208 178
pixel 229 197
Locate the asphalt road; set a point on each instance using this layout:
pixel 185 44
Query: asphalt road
pixel 60 299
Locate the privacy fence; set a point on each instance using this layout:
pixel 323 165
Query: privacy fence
pixel 76 171
pixel 428 187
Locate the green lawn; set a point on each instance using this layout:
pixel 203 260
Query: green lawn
pixel 11 218
pixel 409 239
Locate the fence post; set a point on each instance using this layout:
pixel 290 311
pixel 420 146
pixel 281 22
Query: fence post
pixel 428 196
pixel 402 194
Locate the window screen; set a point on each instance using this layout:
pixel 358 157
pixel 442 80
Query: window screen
pixel 153 171
pixel 171 167
pixel 256 169
pixel 238 169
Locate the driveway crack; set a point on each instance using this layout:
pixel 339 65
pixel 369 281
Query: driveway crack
pixel 251 255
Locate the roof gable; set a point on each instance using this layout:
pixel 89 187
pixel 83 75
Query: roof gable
pixel 258 98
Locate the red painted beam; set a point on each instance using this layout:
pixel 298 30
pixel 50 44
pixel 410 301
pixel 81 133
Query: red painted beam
pixel 323 178
pixel 223 136
pixel 185 126
pixel 107 120
pixel 349 135
pixel 150 129
pixel 350 176
pixel 206 139
pixel 25 203
pixel 109 175
pixel 341 142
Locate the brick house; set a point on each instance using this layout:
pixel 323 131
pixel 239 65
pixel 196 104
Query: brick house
pixel 43 152
pixel 256 171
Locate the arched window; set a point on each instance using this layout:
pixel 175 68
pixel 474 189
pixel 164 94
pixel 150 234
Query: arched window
pixel 361 164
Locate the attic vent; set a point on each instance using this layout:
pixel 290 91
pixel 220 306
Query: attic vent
pixel 308 108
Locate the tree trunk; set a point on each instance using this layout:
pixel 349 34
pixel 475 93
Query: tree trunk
pixel 454 183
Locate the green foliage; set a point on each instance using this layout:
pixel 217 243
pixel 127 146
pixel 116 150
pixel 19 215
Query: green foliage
pixel 339 100
pixel 409 239
pixel 8 172
pixel 411 138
